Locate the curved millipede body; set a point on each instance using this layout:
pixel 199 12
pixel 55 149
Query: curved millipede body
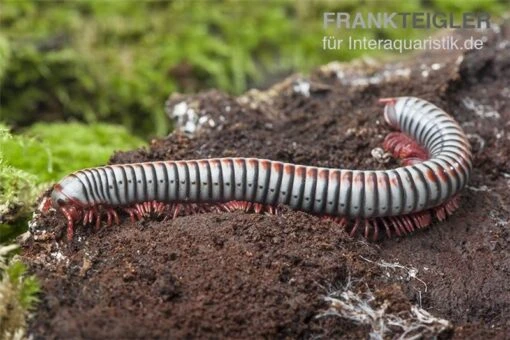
pixel 437 165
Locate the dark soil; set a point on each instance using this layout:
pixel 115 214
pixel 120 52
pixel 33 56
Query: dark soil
pixel 240 275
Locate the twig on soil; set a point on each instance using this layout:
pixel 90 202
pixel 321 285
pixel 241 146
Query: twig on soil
pixel 411 272
pixel 482 188
pixel 479 139
pixel 482 111
pixel 361 307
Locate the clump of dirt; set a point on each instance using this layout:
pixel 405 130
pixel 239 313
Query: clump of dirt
pixel 240 275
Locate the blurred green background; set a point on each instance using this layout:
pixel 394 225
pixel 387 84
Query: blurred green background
pixel 80 79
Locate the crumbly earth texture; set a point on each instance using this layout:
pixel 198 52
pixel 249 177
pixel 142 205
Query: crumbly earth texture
pixel 239 275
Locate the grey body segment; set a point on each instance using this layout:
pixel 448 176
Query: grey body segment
pixel 337 192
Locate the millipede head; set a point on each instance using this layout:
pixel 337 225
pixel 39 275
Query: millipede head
pixel 59 198
pixel 67 192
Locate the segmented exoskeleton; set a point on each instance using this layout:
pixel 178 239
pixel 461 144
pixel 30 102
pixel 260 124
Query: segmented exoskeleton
pixel 400 199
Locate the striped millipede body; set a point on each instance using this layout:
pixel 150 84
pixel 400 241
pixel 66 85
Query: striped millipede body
pixel 437 165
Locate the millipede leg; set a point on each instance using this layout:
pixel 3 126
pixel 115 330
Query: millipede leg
pixel 408 224
pixel 355 228
pixel 145 206
pixel 440 213
pixel 139 208
pixel 131 214
pixel 177 207
pixel 115 216
pixel 400 222
pixel 70 224
pixel 396 226
pixel 98 218
pixel 386 227
pixel 367 228
pixel 89 216
pixel 375 227
pixel 108 218
pixel 258 207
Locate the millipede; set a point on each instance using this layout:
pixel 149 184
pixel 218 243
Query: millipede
pixel 436 164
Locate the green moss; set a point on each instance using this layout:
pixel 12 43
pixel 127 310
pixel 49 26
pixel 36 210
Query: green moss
pixel 17 191
pixel 51 151
pixel 18 295
pixel 18 188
